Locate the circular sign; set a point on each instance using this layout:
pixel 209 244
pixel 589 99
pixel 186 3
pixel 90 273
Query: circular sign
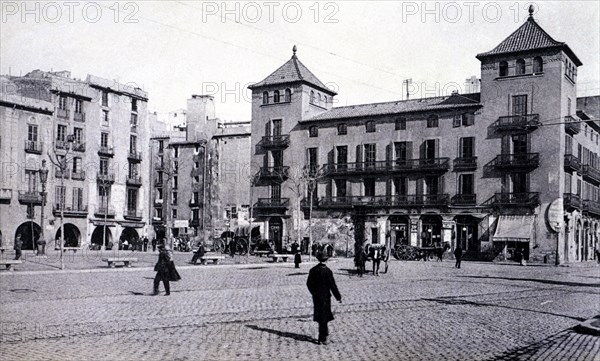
pixel 555 214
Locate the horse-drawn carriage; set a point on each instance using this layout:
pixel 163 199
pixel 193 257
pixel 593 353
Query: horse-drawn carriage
pixel 241 241
pixel 405 252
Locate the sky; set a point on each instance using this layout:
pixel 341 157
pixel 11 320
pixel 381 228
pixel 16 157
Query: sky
pixel 364 50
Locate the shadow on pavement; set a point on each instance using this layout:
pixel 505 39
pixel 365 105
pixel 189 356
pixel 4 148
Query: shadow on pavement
pixel 298 274
pixel 295 336
pixel 543 349
pixel 551 282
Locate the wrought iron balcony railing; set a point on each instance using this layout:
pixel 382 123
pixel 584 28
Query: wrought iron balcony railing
pixel 106 150
pixel 194 222
pixel 273 172
pixel 58 173
pixel 34 147
pixel 465 163
pixel 78 175
pixel 79 147
pixel 572 163
pixel 79 117
pixel 590 173
pixel 62 113
pixel 590 206
pixel 275 141
pixel 403 201
pixel 464 200
pixel 134 156
pixel 103 210
pixel 134 180
pixel 30 197
pixel 516 161
pixel 76 211
pixel 386 166
pixel 529 199
pixel 5 194
pixel 571 200
pixel 264 203
pixel 195 203
pixel 517 122
pixel 572 125
pixel 105 177
pixel 132 214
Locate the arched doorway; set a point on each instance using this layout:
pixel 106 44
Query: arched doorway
pixel 431 230
pixel 399 231
pixel 276 232
pixel 98 240
pixel 30 233
pixel 131 236
pixel 72 236
pixel 466 233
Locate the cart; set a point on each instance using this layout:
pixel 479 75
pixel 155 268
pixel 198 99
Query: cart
pixel 412 253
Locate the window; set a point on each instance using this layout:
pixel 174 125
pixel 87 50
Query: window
pixel 276 127
pixel 340 188
pixel 538 65
pixel 174 213
pixel 133 122
pixel 103 169
pixel 78 134
pixel 161 146
pixel 342 154
pixel 104 140
pixel 568 183
pixel 175 151
pixel 195 214
pixel 370 155
pixel 369 185
pixel 175 166
pixel 105 117
pixel 319 98
pixel 78 106
pixel 174 198
pixel 325 100
pixel 313 159
pixel 456 121
pixel 160 178
pixel 370 126
pixel 62 102
pixel 519 104
pixel 466 184
pixel 134 105
pixel 104 98
pixel 59 195
pixel 265 98
pixel 61 133
pixel 503 69
pixel 312 97
pixel 132 194
pixel 400 186
pixel 175 182
pixel 77 198
pixel 432 121
pixel 77 164
pixel 313 131
pixel 104 196
pixel 276 96
pixel 468 119
pixel 401 124
pixel 467 147
pixel 519 143
pixel 288 95
pixel 32 133
pixel 402 152
pixel 31 177
pixel 276 192
pixel 342 129
pixel 568 144
pixel 520 67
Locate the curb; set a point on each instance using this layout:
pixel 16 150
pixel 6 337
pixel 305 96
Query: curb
pixel 590 327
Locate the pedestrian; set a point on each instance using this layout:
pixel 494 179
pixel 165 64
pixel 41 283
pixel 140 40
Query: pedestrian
pixel 458 256
pixel 125 245
pixel 41 246
pixel 321 285
pixel 153 244
pixel 597 251
pixel 361 261
pixel 199 253
pixel 145 244
pixel 376 259
pixel 165 270
pixel 18 246
pixel 295 247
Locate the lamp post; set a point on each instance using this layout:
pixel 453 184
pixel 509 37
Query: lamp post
pixel 43 172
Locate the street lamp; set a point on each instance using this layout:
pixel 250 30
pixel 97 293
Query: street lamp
pixel 43 172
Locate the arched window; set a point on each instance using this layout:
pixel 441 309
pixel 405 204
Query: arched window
pixel 312 97
pixel 370 126
pixel 319 98
pixel 538 65
pixel 342 129
pixel 276 96
pixel 520 67
pixel 325 100
pixel 265 97
pixel 288 95
pixel 432 121
pixel 503 69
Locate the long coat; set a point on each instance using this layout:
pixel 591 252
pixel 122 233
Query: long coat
pixel 166 267
pixel 321 285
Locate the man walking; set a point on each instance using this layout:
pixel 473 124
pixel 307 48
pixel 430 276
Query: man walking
pixel 321 285
pixel 153 244
pixel 458 256
pixel 18 246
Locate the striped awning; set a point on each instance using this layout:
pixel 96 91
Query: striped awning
pixel 514 228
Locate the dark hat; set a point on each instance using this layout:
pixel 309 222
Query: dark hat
pixel 321 256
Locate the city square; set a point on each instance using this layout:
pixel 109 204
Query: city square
pixel 255 309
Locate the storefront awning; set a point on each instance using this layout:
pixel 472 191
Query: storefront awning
pixel 514 228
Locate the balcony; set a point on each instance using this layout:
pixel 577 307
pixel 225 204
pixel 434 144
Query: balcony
pixel 465 163
pixel 517 122
pixel 75 211
pixel 79 147
pixel 195 203
pixel 58 173
pixel 571 201
pixel 275 142
pixel 572 163
pixel 103 211
pixel 590 173
pixel 464 200
pixel 272 203
pixel 78 175
pixel 61 144
pixel 133 128
pixel 158 202
pixel 159 166
pixel 572 125
pixel 79 117
pixel 274 174
pixel 592 207
pixel 401 201
pixel 106 151
pixel 523 161
pixel 194 223
pixel 409 165
pixel 34 147
pixel 5 195
pixel 105 177
pixel 62 113
pixel 29 197
pixel 132 214
pixel 135 181
pixel 530 199
pixel 134 156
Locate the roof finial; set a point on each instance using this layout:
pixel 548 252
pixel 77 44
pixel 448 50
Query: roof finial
pixel 294 49
pixel 531 9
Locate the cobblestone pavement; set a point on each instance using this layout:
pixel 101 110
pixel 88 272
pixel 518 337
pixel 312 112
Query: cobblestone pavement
pixel 418 310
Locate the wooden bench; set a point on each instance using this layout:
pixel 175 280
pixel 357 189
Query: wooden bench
pixel 276 257
pixel 214 258
pixel 126 261
pixel 9 262
pixel 262 253
pixel 65 249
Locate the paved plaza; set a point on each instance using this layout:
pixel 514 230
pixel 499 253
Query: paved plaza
pixel 417 311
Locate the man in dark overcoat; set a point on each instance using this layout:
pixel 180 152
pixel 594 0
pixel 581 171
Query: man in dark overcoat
pixel 165 270
pixel 458 255
pixel 321 285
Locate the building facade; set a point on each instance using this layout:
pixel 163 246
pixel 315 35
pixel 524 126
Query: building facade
pixel 92 135
pixel 510 169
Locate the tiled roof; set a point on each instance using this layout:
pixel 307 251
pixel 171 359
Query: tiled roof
pixel 529 36
pixel 292 71
pixel 398 107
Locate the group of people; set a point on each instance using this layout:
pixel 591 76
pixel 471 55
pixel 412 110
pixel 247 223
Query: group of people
pixel 374 252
